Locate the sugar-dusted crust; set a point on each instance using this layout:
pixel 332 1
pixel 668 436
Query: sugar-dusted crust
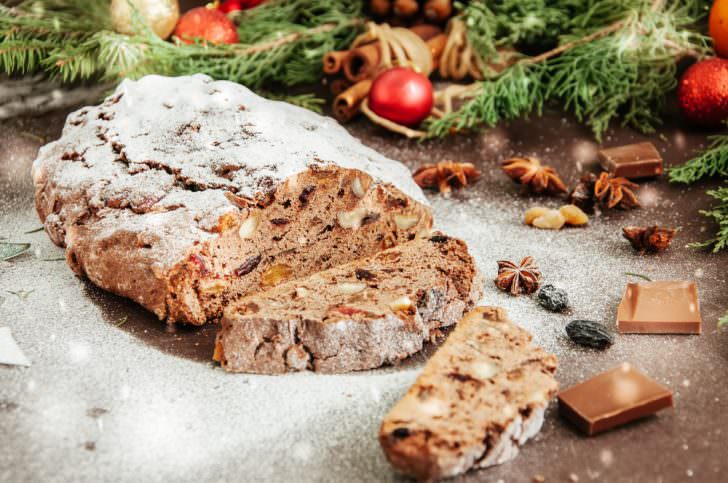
pixel 356 316
pixel 149 191
pixel 480 397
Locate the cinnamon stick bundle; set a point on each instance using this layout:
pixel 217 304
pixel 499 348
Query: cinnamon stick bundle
pixel 333 61
pixel 363 62
pixel 346 104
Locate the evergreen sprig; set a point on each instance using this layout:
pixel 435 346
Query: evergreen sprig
pixel 613 58
pixel 710 163
pixel 282 42
pixel 719 213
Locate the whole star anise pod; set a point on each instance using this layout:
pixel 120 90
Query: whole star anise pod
pixel 583 193
pixel 650 238
pixel 446 175
pixel 523 278
pixel 611 192
pixel 530 172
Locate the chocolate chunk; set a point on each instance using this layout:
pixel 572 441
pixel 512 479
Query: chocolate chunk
pixel 613 398
pixel 641 160
pixel 280 221
pixel 664 307
pixel 248 266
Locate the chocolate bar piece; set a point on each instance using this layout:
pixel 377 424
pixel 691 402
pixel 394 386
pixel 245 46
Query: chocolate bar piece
pixel 664 307
pixel 613 398
pixel 632 161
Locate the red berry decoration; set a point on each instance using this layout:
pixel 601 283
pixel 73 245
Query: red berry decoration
pixel 208 24
pixel 703 92
pixel 401 95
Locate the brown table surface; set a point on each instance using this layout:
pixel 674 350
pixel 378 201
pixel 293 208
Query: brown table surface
pixel 142 402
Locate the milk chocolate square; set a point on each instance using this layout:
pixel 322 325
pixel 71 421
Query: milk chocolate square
pixel 613 398
pixel 641 160
pixel 665 307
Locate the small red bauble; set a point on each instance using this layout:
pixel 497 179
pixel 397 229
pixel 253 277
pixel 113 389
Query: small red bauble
pixel 208 24
pixel 703 92
pixel 401 95
pixel 229 6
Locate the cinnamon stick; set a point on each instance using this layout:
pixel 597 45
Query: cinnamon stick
pixel 338 86
pixel 333 61
pixel 363 61
pixel 346 104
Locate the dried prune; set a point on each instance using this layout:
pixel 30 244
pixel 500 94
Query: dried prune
pixel 552 298
pixel 589 334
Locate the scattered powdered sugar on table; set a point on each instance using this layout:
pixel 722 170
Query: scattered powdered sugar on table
pixel 169 418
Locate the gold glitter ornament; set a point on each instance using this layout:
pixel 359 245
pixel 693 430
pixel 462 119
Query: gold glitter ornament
pixel 160 15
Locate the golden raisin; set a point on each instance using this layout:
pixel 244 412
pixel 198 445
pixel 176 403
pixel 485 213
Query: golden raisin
pixel 276 274
pixel 574 215
pixel 551 220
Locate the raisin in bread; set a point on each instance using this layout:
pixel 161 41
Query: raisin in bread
pixel 184 193
pixel 357 316
pixel 480 397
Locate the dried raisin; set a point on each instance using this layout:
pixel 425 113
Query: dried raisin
pixel 552 298
pixel 589 333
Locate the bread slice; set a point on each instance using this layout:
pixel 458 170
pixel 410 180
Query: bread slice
pixel 480 397
pixel 357 316
pixel 185 193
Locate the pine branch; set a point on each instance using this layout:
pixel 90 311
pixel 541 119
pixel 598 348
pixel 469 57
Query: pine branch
pixel 719 214
pixel 622 68
pixel 281 42
pixel 711 162
pixel 518 91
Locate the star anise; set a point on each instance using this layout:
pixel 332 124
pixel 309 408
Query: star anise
pixel 615 191
pixel 523 278
pixel 530 172
pixel 583 193
pixel 649 239
pixel 446 175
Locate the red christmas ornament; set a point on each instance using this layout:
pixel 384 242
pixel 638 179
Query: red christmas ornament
pixel 229 6
pixel 401 95
pixel 703 92
pixel 208 24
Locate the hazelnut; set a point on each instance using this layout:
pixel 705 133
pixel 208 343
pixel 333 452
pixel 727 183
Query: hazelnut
pixel 551 220
pixel 248 227
pixel 574 215
pixel 358 188
pixel 350 288
pixel 402 303
pixel 405 222
pixel 351 219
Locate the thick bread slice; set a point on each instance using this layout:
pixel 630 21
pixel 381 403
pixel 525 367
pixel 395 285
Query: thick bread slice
pixel 357 316
pixel 480 397
pixel 185 193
